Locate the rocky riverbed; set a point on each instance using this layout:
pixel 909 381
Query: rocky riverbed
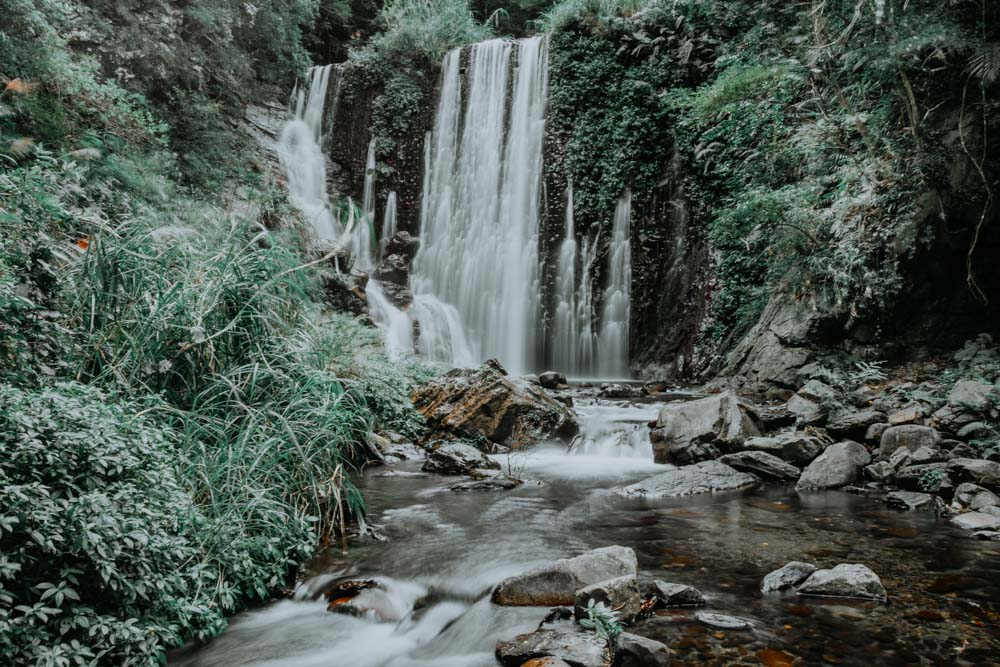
pixel 465 569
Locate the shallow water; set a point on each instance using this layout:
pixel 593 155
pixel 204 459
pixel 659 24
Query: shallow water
pixel 446 551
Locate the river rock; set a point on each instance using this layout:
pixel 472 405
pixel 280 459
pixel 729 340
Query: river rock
pixel 909 500
pixel 908 436
pixel 873 434
pixel 967 400
pixel 976 431
pixel 498 483
pixel 619 391
pixel 457 459
pixel 620 594
pixel 978 471
pixel 797 447
pixel 557 583
pixel 552 380
pixel 911 414
pixel 405 451
pixel 990 535
pixel 974 497
pixel 636 651
pixel 722 621
pixel 791 574
pixel 838 465
pixel 847 580
pixel 578 649
pixel 977 521
pixel 881 472
pixel 693 431
pixel 704 477
pixel 486 403
pixel 762 464
pixel 677 595
pixel 929 477
pixel 856 424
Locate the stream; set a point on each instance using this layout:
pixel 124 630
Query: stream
pixel 446 550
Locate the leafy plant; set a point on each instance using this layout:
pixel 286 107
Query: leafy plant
pixel 930 480
pixel 603 622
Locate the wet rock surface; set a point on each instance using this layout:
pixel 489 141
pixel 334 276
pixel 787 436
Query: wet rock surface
pixel 704 429
pixel 578 649
pixel 723 621
pixel 557 583
pixel 677 595
pixel 847 580
pixel 636 651
pixel 910 500
pixel 457 459
pixel 487 404
pixel 620 594
pixel 839 465
pixel 788 576
pixel 762 464
pixel 705 477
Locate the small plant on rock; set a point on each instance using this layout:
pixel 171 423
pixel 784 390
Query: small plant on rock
pixel 603 622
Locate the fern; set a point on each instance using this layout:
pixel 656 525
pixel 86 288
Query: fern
pixel 985 64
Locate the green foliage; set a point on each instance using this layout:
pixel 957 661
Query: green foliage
pixel 426 27
pixel 930 480
pixel 602 621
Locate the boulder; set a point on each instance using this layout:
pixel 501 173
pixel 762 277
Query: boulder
pixel 856 424
pixel 552 380
pixel 976 431
pixel 911 414
pixel 762 464
pixel 636 651
pixel 797 447
pixel 693 431
pixel 704 477
pixel 498 483
pixel 978 471
pixel 926 454
pixel 873 434
pixel 558 582
pixel 881 472
pixel 839 465
pixel 806 410
pixel 404 244
pixel 619 391
pixel 974 497
pixel 620 594
pixel 908 436
pixel 929 477
pixel 722 621
pixel 457 459
pixel 909 500
pixel 847 580
pixel 977 521
pixel 405 451
pixel 967 400
pixel 575 648
pixel 791 574
pixel 486 404
pixel 677 595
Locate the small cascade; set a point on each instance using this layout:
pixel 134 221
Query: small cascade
pixel 396 325
pixel 612 341
pixel 479 222
pixel 300 151
pixel 440 335
pixel 359 239
pixel 388 223
pixel 615 430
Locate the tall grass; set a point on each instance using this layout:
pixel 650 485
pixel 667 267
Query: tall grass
pixel 429 27
pixel 597 13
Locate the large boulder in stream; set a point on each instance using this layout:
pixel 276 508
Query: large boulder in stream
pixel 558 582
pixel 705 429
pixel 847 580
pixel 839 465
pixel 573 647
pixel 487 404
pixel 704 477
pixel 457 459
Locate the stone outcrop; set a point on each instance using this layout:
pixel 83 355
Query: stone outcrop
pixel 839 465
pixel 967 401
pixel 486 404
pixel 705 477
pixel 693 431
pixel 978 471
pixel 855 425
pixel 558 582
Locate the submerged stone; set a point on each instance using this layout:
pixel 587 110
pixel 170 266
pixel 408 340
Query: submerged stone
pixel 677 595
pixel 722 621
pixel 457 459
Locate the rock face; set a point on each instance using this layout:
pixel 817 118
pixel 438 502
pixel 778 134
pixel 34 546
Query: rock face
pixel 636 651
pixel 620 594
pixel 705 477
pixel 693 431
pixel 762 464
pixel 839 465
pixel 578 649
pixel 788 576
pixel 457 459
pixel 557 584
pixel 907 436
pixel 796 447
pixel 486 403
pixel 677 595
pixel 847 580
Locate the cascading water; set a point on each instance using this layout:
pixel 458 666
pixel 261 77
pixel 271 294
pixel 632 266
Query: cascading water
pixel 300 150
pixel 388 223
pixel 612 341
pixel 479 248
pixel 358 239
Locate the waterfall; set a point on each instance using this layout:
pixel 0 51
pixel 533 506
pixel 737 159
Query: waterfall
pixel 300 151
pixel 396 325
pixel 388 223
pixel 479 219
pixel 612 341
pixel 358 239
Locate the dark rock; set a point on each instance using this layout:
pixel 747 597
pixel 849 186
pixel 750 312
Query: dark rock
pixel 551 379
pixel 847 580
pixel 705 477
pixel 911 414
pixel 485 403
pixel 977 521
pixel 578 649
pixel 393 269
pixel 976 431
pixel 653 388
pixel 855 425
pixel 499 483
pixel 557 583
pixel 797 447
pixel 762 464
pixel 345 292
pixel 839 465
pixel 991 535
pixel 881 472
pixel 457 459
pixel 873 434
pixel 693 431
pixel 723 622
pixel 636 651
pixel 394 453
pixel 967 400
pixel 961 450
pixel 788 576
pixel 978 471
pixel 974 497
pixel 909 500
pixel 677 595
pixel 619 391
pixel 620 594
pixel 929 477
pixel 403 244
pixel 908 436
pixel 926 454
